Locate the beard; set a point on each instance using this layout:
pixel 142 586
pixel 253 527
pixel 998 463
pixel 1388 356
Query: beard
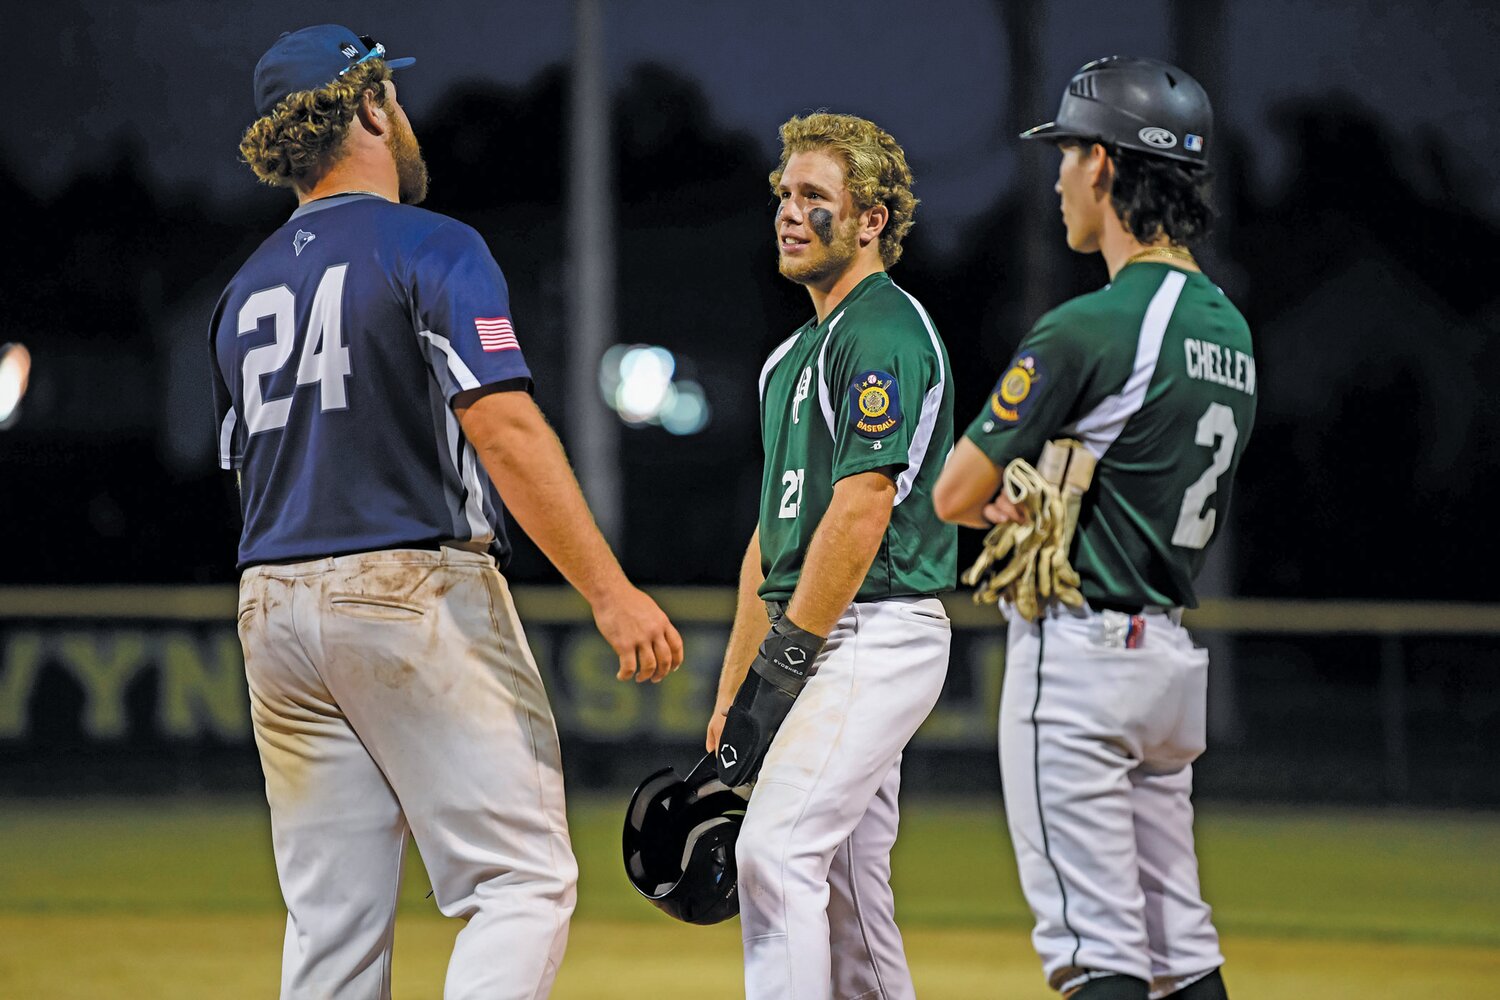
pixel 411 169
pixel 823 259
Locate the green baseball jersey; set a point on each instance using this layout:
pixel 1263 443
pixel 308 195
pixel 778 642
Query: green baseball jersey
pixel 869 388
pixel 1154 373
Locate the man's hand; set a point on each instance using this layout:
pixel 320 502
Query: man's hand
pixel 787 660
pixel 716 726
pixel 526 463
pixel 1000 510
pixel 646 642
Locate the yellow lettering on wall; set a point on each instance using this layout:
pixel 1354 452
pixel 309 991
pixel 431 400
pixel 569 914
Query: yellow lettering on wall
pixel 202 690
pixel 22 656
pixel 685 699
pixel 103 666
pixel 601 705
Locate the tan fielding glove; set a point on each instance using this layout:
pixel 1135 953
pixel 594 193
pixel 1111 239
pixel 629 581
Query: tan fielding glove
pixel 1037 571
pixel 993 575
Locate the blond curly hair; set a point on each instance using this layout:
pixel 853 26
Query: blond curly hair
pixel 875 170
pixel 300 138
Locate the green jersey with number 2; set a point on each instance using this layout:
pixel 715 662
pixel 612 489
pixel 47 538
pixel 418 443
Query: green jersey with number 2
pixel 869 388
pixel 1155 374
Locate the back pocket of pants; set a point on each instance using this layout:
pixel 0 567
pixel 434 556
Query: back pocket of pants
pixel 378 609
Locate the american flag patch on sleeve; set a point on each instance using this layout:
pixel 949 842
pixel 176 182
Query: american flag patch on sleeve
pixel 496 333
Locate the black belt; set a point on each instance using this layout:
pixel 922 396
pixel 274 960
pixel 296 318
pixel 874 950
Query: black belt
pixel 1124 609
pixel 1137 609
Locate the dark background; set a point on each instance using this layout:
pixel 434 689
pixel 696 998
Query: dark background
pixel 1358 200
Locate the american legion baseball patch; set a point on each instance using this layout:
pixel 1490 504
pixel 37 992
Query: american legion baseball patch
pixel 875 404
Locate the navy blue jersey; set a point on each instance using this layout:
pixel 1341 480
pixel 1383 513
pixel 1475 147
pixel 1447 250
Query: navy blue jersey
pixel 338 349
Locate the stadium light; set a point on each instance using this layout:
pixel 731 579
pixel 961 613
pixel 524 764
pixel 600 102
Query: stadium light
pixel 638 382
pixel 15 372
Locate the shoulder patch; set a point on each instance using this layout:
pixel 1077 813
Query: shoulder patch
pixel 875 404
pixel 1016 388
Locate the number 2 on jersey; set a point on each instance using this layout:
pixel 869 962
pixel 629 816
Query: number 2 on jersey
pixel 1195 526
pixel 325 356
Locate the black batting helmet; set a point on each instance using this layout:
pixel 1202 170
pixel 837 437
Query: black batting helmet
pixel 1134 103
pixel 679 843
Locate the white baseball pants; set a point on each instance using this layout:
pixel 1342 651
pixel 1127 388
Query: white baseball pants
pixel 1096 747
pixel 392 690
pixel 816 909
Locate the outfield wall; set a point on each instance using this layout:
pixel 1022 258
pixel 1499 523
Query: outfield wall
pixel 142 688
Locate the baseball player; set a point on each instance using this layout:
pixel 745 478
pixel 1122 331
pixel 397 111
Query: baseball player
pixel 1103 707
pixel 372 395
pixel 856 416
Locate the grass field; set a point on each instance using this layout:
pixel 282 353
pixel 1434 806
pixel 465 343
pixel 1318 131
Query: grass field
pixel 176 899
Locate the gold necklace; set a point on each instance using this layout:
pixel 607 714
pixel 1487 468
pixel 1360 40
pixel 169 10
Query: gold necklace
pixel 1169 252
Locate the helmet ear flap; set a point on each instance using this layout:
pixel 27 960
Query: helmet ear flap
pixel 709 858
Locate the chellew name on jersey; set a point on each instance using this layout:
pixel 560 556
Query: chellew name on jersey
pixel 1210 362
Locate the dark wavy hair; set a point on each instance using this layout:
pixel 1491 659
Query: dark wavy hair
pixel 1155 196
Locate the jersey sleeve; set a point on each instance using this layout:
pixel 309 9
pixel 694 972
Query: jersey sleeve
pixel 1039 392
pixel 461 306
pixel 878 377
pixel 230 436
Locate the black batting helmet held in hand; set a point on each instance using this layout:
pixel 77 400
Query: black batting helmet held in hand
pixel 1134 103
pixel 679 843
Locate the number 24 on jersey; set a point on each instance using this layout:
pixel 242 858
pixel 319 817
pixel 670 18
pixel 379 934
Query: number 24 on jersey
pixel 325 356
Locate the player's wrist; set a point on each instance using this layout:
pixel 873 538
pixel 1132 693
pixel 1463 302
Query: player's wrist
pixel 606 587
pixel 788 654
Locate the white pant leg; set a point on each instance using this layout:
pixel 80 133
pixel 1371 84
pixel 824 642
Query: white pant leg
pixel 425 656
pixel 1183 942
pixel 451 705
pixel 868 959
pixel 1096 744
pixel 877 679
pixel 337 830
pixel 1065 762
pixel 1179 924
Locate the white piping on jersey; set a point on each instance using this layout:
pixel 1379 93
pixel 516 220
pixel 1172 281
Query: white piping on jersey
pixel 468 470
pixel 1101 426
pixel 932 402
pixel 823 400
pixel 775 359
pixel 465 460
pixel 455 364
pixel 226 439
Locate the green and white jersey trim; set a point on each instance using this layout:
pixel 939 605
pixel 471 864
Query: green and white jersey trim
pixel 1101 426
pixel 932 403
pixel 824 399
pixel 775 359
pixel 932 400
pixel 877 350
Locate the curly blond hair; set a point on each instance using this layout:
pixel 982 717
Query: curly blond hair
pixel 875 170
pixel 301 136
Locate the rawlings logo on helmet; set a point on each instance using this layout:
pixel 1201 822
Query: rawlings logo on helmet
pixel 1155 135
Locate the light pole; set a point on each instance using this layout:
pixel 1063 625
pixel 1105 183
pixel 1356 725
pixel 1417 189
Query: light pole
pixel 593 431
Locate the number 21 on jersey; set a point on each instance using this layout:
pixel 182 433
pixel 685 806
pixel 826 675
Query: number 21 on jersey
pixel 325 356
pixel 791 499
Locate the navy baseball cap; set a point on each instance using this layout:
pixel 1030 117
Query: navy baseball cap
pixel 312 58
